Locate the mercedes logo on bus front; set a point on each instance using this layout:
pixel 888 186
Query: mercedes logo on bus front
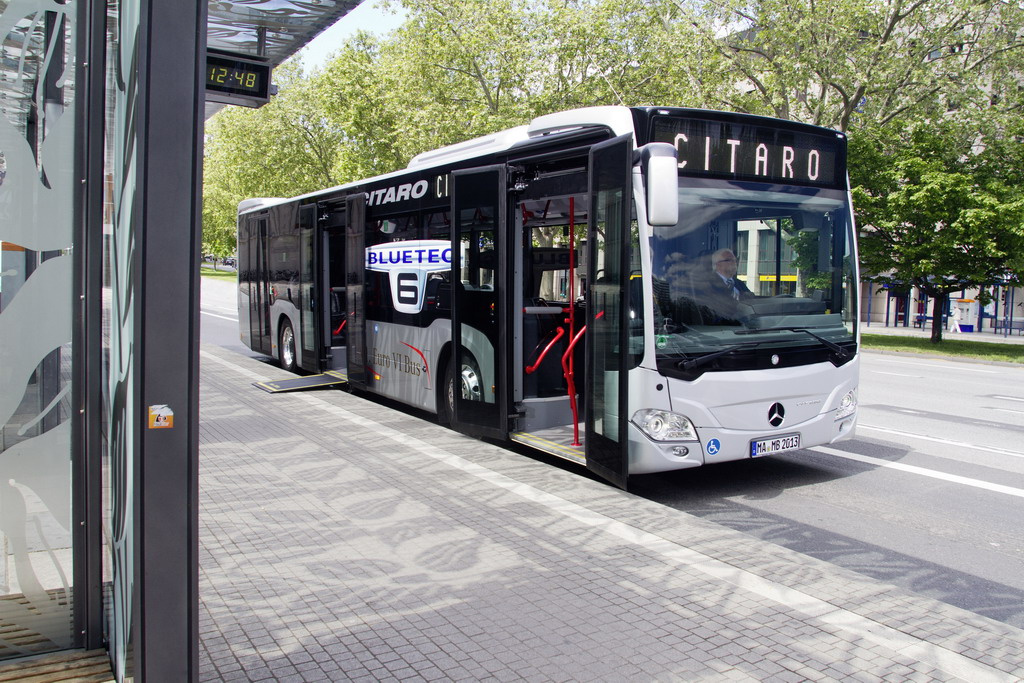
pixel 776 414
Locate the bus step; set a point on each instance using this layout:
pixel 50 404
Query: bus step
pixel 328 379
pixel 556 441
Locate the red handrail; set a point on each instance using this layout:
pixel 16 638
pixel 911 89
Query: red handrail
pixel 569 373
pixel 530 369
pixel 340 327
pixel 572 268
pixel 570 381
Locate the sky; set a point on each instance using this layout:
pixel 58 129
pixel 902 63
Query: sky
pixel 368 16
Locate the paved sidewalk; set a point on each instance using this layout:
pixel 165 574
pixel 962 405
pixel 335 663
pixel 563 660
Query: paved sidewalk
pixel 1013 337
pixel 341 540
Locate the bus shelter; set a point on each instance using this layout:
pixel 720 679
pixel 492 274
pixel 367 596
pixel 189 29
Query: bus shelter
pixel 103 105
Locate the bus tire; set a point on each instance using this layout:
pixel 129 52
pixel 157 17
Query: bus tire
pixel 286 347
pixel 446 399
pixel 463 378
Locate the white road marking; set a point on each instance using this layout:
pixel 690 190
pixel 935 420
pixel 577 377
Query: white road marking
pixel 1009 398
pixel 895 374
pixel 222 317
pixel 1010 410
pixel 944 442
pixel 955 366
pixel 934 474
pixel 858 625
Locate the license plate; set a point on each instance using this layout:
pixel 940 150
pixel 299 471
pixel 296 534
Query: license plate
pixel 776 444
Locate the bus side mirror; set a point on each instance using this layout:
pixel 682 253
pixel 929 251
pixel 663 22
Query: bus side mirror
pixel 659 162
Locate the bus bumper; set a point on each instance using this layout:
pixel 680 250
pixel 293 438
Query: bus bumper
pixel 736 444
pixel 725 445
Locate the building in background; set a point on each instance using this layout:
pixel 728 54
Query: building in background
pixel 910 307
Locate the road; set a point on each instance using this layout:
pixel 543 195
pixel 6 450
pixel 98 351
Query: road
pixel 219 315
pixel 929 495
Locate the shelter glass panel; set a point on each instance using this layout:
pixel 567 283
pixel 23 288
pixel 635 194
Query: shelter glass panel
pixel 119 352
pixel 37 160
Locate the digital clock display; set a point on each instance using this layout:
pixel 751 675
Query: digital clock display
pixel 234 80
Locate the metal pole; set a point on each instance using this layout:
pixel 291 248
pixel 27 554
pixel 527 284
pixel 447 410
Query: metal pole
pixel 1010 307
pixel 870 296
pixel 981 309
pixel 995 309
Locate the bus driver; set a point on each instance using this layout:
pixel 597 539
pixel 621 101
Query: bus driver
pixel 722 289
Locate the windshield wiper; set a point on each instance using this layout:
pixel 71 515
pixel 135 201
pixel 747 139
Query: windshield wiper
pixel 695 363
pixel 832 346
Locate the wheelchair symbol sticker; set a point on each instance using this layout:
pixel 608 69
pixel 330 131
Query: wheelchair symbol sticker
pixel 713 447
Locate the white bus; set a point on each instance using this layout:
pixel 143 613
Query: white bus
pixel 633 289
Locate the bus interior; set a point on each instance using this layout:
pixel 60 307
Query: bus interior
pixel 551 222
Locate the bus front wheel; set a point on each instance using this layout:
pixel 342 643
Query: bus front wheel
pixel 446 409
pixel 286 347
pixel 463 378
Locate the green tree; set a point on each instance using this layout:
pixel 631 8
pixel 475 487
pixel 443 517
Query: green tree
pixel 935 213
pixel 459 70
pixel 364 100
pixel 608 52
pixel 456 70
pixel 282 149
pixel 219 240
pixel 850 64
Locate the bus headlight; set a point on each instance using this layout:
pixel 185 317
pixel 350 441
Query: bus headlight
pixel 661 425
pixel 848 406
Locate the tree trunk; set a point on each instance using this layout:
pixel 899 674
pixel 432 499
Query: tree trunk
pixel 938 307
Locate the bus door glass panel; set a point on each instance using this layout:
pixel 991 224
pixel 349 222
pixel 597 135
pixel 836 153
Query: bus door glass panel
pixel 437 299
pixel 330 291
pixel 332 270
pixel 478 301
pixel 252 265
pixel 843 270
pixel 608 271
pixel 355 279
pixel 259 296
pixel 307 286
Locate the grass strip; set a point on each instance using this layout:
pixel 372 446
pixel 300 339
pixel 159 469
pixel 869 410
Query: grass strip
pixel 962 348
pixel 208 271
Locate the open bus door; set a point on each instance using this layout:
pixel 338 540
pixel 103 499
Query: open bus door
pixel 355 277
pixel 259 286
pixel 479 301
pixel 310 325
pixel 608 263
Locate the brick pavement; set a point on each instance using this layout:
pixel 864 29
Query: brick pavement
pixel 341 540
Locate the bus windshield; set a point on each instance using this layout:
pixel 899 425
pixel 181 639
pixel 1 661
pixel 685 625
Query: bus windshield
pixel 753 276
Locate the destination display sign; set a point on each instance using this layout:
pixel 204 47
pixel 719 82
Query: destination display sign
pixel 742 151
